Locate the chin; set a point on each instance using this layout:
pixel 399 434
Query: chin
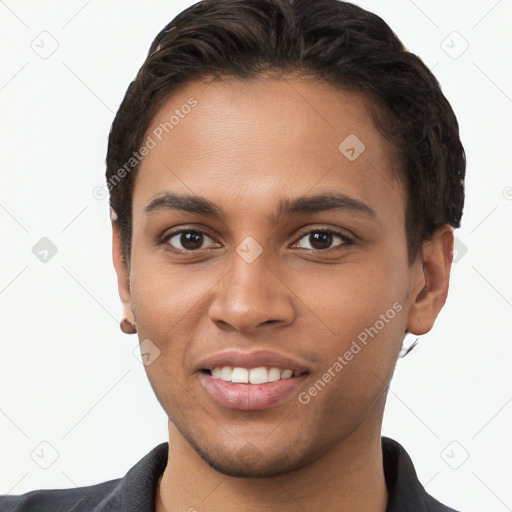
pixel 238 466
pixel 248 461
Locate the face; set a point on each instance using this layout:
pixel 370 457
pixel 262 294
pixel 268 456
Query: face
pixel 291 254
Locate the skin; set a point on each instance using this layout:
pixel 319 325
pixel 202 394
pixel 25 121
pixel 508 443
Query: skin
pixel 245 146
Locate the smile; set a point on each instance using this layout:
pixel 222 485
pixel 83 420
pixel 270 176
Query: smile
pixel 259 375
pixel 246 396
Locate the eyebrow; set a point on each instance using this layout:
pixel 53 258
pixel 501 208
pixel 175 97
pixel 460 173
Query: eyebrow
pixel 332 201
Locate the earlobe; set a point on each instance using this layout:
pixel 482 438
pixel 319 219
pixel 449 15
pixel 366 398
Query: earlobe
pixel 127 327
pixel 432 281
pixel 123 274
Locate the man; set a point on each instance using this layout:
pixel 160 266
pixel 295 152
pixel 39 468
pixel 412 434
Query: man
pixel 285 179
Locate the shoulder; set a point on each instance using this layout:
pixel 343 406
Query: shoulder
pixel 432 505
pixel 405 491
pixel 77 499
pixel 135 492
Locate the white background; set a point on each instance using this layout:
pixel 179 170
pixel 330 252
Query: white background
pixel 69 376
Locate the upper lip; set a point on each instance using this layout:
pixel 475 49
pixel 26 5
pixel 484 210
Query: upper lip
pixel 253 359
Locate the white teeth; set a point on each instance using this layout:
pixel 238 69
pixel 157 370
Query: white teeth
pixel 217 372
pixel 240 375
pixel 274 374
pixel 226 373
pixel 259 375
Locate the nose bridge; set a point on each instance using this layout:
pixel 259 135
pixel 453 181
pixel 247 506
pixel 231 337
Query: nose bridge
pixel 250 293
pixel 250 277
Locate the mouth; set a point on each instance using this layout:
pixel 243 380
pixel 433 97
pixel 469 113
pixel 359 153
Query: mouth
pixel 249 387
pixel 248 381
pixel 252 376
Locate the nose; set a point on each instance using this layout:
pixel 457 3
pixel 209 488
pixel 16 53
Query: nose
pixel 251 295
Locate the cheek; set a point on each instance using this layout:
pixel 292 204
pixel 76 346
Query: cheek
pixel 351 297
pixel 358 361
pixel 164 295
pixel 166 312
pixel 158 304
pixel 363 315
pixel 169 307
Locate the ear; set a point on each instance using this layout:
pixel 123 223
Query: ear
pixel 431 278
pixel 123 273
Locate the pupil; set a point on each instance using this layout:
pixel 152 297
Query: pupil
pixel 321 240
pixel 191 241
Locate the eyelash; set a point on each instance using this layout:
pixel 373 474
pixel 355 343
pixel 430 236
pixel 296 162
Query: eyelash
pixel 346 240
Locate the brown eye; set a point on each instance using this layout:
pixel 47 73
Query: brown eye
pixel 322 239
pixel 187 240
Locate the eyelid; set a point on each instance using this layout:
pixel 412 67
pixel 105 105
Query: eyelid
pixel 165 239
pixel 346 239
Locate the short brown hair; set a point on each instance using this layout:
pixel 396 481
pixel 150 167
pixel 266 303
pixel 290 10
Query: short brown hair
pixel 336 42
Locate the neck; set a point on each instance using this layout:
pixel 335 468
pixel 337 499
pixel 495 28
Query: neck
pixel 349 477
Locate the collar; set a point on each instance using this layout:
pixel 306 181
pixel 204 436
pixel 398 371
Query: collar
pixel 405 492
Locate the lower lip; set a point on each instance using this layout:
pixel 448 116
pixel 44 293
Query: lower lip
pixel 250 397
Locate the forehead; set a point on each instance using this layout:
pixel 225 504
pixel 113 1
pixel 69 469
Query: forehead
pixel 266 138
